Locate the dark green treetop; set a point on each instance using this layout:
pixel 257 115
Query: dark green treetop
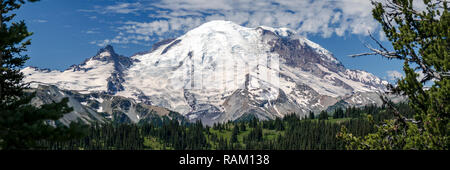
pixel 23 125
pixel 420 39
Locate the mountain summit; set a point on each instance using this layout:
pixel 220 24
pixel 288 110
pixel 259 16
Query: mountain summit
pixel 222 71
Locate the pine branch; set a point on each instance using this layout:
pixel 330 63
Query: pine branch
pixel 402 119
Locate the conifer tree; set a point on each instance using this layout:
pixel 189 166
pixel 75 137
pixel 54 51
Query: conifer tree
pixel 234 138
pixel 22 125
pixel 243 126
pixel 323 115
pixel 311 115
pixel 420 39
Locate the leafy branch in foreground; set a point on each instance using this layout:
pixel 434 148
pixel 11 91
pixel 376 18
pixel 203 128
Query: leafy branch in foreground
pixel 420 39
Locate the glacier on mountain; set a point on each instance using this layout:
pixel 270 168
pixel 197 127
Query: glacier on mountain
pixel 222 71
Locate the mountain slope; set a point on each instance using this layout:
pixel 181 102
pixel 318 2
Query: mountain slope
pixel 103 72
pixel 100 107
pixel 221 71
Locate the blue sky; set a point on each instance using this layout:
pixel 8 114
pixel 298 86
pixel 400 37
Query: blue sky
pixel 67 32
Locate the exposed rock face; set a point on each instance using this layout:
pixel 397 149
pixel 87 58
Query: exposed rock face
pixel 101 107
pixel 160 43
pixel 221 71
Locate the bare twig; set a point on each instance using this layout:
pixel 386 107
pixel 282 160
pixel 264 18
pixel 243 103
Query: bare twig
pixel 384 53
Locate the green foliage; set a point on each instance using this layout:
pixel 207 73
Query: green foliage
pixel 420 38
pixel 12 44
pixel 234 138
pixel 323 115
pixel 311 115
pixel 288 133
pixel 23 125
pixel 338 113
pixel 243 127
pixel 278 124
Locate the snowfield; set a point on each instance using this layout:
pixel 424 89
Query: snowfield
pixel 221 71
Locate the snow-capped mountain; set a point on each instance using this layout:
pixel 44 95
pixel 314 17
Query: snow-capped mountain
pixel 222 71
pixel 103 72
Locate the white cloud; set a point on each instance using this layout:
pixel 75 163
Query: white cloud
pixel 123 8
pixel 146 28
pixel 318 17
pixel 91 32
pixel 125 39
pixel 394 75
pixel 421 75
pixel 40 20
